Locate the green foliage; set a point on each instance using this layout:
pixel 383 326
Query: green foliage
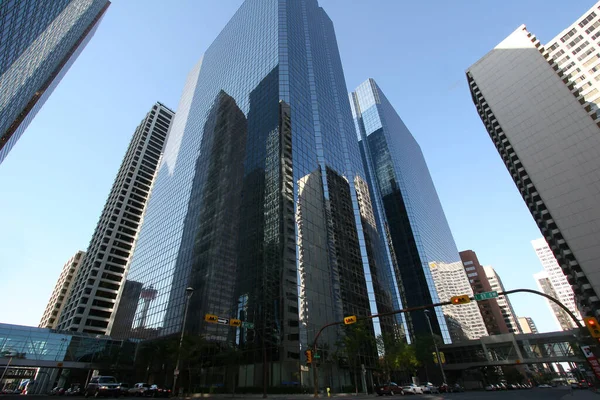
pixel 395 355
pixel 358 340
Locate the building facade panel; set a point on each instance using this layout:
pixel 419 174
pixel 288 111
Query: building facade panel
pixel 39 41
pixel 490 310
pixel 559 285
pixel 61 292
pixel 549 140
pixel 407 207
pixel 508 314
pixel 260 202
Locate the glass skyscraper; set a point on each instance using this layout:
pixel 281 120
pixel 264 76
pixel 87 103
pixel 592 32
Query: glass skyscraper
pixel 407 206
pixel 260 202
pixel 39 40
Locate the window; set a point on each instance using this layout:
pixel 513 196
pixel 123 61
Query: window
pixel 592 27
pixel 587 53
pixel 575 41
pixel 587 19
pixel 580 47
pixel 568 35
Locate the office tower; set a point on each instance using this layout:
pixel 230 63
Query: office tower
pixel 575 52
pixel 527 325
pixel 94 297
pixel 508 314
pixel 406 204
pixel 545 285
pixel 558 285
pixel 451 280
pixel 61 291
pixel 490 310
pixel 40 40
pixel 260 203
pixel 540 118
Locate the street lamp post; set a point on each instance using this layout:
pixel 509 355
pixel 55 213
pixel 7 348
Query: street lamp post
pixel 437 352
pixel 188 292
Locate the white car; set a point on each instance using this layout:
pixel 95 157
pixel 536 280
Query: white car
pixel 430 388
pixel 412 389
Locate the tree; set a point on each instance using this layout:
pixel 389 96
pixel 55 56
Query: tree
pixel 395 356
pixel 358 342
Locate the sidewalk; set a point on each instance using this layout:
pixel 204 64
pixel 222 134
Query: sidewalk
pixel 581 395
pixel 306 396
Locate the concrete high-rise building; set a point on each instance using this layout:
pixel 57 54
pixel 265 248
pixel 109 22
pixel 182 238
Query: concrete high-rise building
pixel 61 291
pixel 39 41
pixel 575 51
pixel 407 208
pixel 451 280
pixel 490 310
pixel 527 325
pixel 545 285
pixel 94 297
pixel 508 314
pixel 559 284
pixel 260 203
pixel 540 112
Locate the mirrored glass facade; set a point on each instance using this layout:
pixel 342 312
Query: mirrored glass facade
pixel 39 40
pixel 260 203
pixel 41 347
pixel 407 203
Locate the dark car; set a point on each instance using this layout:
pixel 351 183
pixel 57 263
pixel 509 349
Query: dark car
pixel 124 388
pixel 57 391
pixel 157 391
pixel 390 388
pixel 103 386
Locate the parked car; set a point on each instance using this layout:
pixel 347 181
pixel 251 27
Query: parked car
pixel 57 391
pixel 157 391
pixel 75 390
pixel 430 388
pixel 124 388
pixel 139 389
pixel 102 386
pixel 412 389
pixel 444 388
pixel 389 388
pixel 457 388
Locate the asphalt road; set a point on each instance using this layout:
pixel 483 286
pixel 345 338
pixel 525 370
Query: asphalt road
pixel 531 394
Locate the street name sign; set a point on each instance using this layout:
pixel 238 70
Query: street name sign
pixel 486 295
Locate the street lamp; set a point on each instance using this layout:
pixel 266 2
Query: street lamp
pixel 188 292
pixel 437 352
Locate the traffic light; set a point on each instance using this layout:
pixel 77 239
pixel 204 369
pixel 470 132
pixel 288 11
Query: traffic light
pixel 462 299
pixel 592 325
pixel 308 354
pixel 213 319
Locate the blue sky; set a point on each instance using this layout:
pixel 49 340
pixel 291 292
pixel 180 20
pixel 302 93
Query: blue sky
pixel 56 179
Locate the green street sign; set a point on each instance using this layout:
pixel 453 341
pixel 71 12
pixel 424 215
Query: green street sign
pixel 317 356
pixel 247 325
pixel 486 296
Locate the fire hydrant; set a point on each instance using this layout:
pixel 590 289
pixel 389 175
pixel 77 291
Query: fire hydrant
pixel 328 392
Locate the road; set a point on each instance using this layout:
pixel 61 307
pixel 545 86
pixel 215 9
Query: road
pixel 531 394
